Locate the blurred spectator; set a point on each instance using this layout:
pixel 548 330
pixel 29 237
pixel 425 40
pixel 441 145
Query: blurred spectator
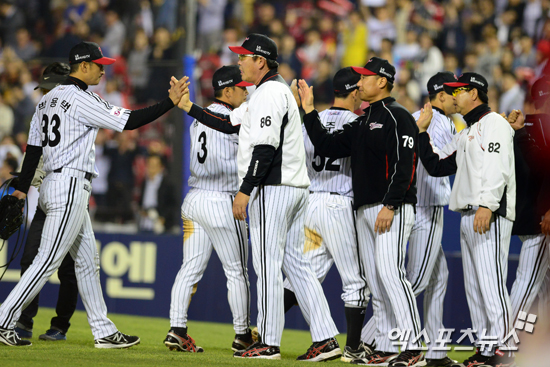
pixel 211 24
pixel 532 12
pixel 8 150
pixel 11 19
pixel 138 69
pixel 166 13
pixel 158 204
pixel 94 18
pixel 322 84
pixel 428 16
pixel 512 96
pixel 75 11
pixel 430 62
pixel 380 26
pixel 22 106
pixel 451 64
pixel 491 56
pixel 231 37
pixel 115 34
pixel 8 165
pixel 144 20
pixel 160 68
pixel 408 51
pixel 311 52
pixel 287 54
pixel 401 19
pixel 527 55
pixel 25 48
pixel 452 36
pixel 266 15
pixel 354 41
pixel 482 14
pixel 6 119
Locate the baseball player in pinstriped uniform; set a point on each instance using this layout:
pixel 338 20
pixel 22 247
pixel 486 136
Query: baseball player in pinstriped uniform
pixel 427 266
pixel 208 221
pixel 484 191
pixel 63 130
pixel 331 236
pixel 382 146
pixel 53 75
pixel 272 170
pixel 533 180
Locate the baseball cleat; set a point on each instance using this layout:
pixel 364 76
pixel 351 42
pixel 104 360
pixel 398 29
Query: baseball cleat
pixel 440 362
pixel 377 358
pixel 181 343
pixel 116 341
pixel 474 361
pixel 350 354
pixel 260 351
pixel 500 359
pixel 23 332
pixel 325 350
pixel 10 337
pixel 53 335
pixel 242 341
pixel 409 358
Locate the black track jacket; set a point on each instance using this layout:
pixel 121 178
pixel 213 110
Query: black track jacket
pixel 382 144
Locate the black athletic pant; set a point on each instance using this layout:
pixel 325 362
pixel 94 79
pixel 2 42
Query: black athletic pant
pixel 68 289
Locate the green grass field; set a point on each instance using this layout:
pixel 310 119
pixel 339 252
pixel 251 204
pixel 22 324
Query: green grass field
pixel 215 338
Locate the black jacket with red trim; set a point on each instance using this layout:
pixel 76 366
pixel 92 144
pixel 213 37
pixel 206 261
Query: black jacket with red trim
pixel 382 144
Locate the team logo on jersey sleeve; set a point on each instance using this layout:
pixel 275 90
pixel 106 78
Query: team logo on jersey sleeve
pixel 117 111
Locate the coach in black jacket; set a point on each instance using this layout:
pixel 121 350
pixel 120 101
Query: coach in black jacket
pixel 382 146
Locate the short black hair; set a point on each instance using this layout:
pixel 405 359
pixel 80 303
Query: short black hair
pixel 482 96
pixel 342 94
pixel 12 162
pixel 389 85
pixel 218 93
pixel 432 97
pixel 272 64
pixel 74 67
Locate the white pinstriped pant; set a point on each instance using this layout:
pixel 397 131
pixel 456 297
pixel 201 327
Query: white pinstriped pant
pixel 331 237
pixel 393 299
pixel 68 228
pixel 426 271
pixel 208 224
pixel 485 263
pixel 530 275
pixel 277 234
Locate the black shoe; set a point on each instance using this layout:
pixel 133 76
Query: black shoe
pixel 474 361
pixel 362 352
pixel 181 343
pixel 409 358
pixel 500 359
pixel 116 341
pixel 325 350
pixel 242 341
pixel 260 351
pixel 440 362
pixel 377 358
pixel 10 337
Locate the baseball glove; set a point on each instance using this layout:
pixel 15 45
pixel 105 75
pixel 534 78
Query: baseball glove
pixel 11 215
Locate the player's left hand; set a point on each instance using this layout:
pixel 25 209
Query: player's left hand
pixel 384 220
pixel 306 95
pixel 482 220
pixel 239 206
pixel 545 224
pixel 425 117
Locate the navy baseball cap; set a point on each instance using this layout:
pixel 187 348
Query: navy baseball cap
pixel 377 66
pixel 473 80
pixel 435 84
pixel 345 80
pixel 88 51
pixel 257 44
pixel 228 76
pixel 53 75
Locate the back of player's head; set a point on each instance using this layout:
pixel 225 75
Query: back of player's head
pixel 345 81
pixel 53 75
pixel 436 82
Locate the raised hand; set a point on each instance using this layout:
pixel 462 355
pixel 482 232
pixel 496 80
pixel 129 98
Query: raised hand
pixel 306 95
pixel 294 89
pixel 184 102
pixel 425 117
pixel 177 89
pixel 516 119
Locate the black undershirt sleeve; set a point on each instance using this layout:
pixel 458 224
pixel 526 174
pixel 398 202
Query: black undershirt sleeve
pixel 213 120
pixel 32 157
pixel 262 156
pixel 435 166
pixel 143 116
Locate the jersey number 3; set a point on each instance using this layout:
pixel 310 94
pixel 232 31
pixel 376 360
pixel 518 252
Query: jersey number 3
pixel 54 133
pixel 202 140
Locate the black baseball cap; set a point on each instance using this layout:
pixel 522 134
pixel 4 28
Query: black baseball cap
pixel 540 91
pixel 88 51
pixel 473 80
pixel 228 76
pixel 435 84
pixel 53 75
pixel 345 80
pixel 257 44
pixel 377 66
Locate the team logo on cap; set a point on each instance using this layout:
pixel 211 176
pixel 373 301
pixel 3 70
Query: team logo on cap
pixel 348 86
pixel 78 57
pixel 220 83
pixel 543 93
pixel 474 80
pixel 436 87
pixel 259 49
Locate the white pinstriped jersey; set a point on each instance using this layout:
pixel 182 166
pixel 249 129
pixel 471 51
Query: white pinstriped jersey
pixel 435 191
pixel 327 174
pixel 65 125
pixel 213 159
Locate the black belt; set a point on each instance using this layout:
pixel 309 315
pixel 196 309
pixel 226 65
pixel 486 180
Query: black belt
pixel 88 176
pixel 332 192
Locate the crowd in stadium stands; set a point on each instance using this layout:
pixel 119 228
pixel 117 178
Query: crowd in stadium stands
pixel 507 41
